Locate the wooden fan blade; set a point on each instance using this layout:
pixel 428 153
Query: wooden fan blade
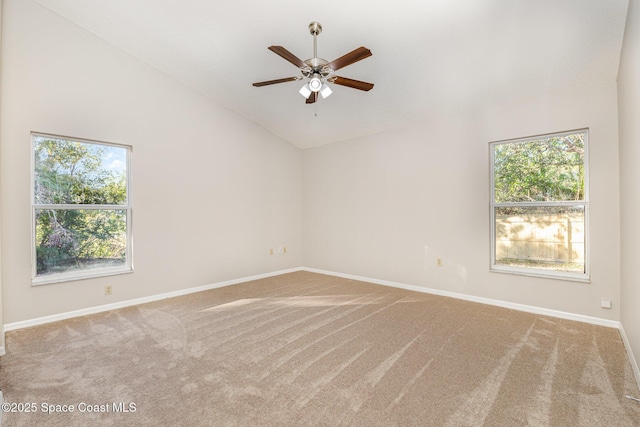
pixel 356 84
pixel 272 82
pixel 284 53
pixel 312 98
pixel 351 57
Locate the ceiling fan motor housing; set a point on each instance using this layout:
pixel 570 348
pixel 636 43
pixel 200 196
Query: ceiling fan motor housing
pixel 316 66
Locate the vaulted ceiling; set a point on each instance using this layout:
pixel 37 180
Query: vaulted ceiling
pixel 431 58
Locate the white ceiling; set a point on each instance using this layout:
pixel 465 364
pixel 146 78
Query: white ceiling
pixel 430 57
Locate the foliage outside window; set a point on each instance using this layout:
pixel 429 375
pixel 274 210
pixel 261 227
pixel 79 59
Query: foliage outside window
pixel 539 206
pixel 81 209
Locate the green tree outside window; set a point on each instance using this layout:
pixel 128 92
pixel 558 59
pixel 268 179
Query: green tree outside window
pixel 81 205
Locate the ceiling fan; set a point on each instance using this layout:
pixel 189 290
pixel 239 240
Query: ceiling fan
pixel 320 71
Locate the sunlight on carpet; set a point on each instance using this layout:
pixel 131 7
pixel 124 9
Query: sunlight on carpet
pixel 309 349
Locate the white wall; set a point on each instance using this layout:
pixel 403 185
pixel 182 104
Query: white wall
pixel 211 191
pixel 386 206
pixel 1 310
pixel 629 111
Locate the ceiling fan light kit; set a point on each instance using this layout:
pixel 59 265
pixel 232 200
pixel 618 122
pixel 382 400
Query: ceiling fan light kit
pixel 320 71
pixel 305 90
pixel 315 83
pixel 325 91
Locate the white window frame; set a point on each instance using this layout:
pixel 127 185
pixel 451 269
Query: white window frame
pixel 536 272
pixel 88 273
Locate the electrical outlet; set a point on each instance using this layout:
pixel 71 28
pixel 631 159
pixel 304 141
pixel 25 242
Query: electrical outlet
pixel 282 250
pixel 439 262
pixel 108 290
pixel 605 303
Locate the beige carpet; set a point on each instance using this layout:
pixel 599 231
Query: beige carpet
pixel 307 349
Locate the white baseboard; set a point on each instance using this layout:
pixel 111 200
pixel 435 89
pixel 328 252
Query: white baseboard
pixel 504 304
pixel 632 359
pixel 152 298
pixel 489 301
pixel 136 301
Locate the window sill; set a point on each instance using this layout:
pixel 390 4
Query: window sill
pixel 543 274
pixel 87 274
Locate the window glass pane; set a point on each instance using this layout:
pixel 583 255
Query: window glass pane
pixel 549 237
pixel 548 169
pixel 75 239
pixel 72 172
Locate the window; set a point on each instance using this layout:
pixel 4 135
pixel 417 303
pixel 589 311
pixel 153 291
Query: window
pixel 539 207
pixel 81 209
